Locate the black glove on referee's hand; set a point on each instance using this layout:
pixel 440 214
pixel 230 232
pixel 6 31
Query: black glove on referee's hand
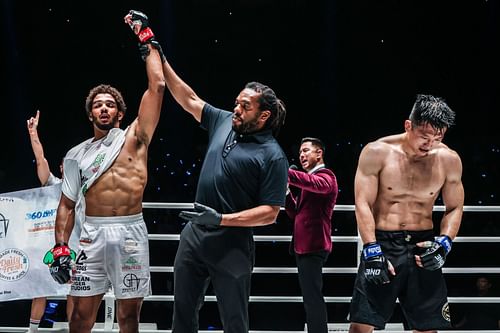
pixel 202 215
pixel 377 267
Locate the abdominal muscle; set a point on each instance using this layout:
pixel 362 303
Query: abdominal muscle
pixel 119 190
pixel 411 215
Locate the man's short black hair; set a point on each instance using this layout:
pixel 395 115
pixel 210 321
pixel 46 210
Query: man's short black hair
pixel 433 111
pixel 315 142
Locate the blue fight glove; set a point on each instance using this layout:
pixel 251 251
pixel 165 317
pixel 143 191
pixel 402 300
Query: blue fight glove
pixel 376 265
pixel 434 257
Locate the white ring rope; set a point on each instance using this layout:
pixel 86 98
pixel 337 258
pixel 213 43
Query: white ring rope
pixel 345 270
pixel 337 239
pixel 342 208
pixel 296 299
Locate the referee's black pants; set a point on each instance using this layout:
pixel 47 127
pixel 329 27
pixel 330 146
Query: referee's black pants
pixel 310 267
pixel 223 256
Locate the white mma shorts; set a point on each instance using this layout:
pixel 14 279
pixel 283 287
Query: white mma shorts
pixel 113 251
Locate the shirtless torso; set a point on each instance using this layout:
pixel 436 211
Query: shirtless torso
pixel 119 190
pixel 396 186
pixel 398 181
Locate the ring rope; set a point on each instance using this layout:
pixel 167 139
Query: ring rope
pixel 343 208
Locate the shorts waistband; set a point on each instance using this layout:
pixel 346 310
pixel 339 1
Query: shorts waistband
pixel 114 219
pixel 408 235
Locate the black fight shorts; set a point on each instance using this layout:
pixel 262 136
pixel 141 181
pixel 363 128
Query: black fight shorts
pixel 421 293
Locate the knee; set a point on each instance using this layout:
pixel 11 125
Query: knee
pixel 80 324
pixel 128 322
pixel 127 317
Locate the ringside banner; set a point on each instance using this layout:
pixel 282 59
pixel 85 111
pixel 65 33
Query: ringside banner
pixel 27 220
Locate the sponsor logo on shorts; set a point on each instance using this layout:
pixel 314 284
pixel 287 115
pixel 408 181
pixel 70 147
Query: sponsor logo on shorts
pixel 131 264
pixel 79 283
pixel 14 264
pixel 131 282
pixel 445 311
pixel 85 240
pixel 81 258
pixel 80 262
pixel 130 246
pixel 4 226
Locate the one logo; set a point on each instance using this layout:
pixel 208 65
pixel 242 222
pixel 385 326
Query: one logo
pixel 109 312
pixel 445 311
pixel 439 260
pixel 14 264
pixel 4 226
pixel 131 281
pixel 372 271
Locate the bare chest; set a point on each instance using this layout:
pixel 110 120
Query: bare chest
pixel 401 178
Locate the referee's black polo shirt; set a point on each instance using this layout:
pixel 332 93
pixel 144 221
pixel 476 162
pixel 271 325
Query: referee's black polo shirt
pixel 240 171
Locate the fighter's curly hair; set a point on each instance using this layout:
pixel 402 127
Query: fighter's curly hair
pixel 268 101
pixel 433 111
pixel 105 89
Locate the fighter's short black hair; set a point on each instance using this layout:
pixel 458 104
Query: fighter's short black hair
pixel 433 111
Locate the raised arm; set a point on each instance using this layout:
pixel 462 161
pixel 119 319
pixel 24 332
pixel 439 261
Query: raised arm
pixel 183 93
pixel 150 107
pixel 453 196
pixel 365 191
pixel 42 166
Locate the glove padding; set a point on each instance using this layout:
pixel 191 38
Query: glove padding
pixel 202 215
pixel 60 261
pixel 138 22
pixel 376 265
pixel 434 256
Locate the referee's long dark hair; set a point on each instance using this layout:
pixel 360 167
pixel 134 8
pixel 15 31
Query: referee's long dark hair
pixel 269 101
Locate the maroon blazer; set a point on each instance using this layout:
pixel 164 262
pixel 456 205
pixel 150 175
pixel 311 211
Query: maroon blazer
pixel 312 209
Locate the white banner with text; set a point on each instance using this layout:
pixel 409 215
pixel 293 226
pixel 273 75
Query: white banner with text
pixel 27 220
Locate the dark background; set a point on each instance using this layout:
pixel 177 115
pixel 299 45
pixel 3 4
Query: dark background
pixel 348 72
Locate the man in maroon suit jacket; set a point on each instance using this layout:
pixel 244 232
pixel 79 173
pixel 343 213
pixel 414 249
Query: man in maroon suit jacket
pixel 311 210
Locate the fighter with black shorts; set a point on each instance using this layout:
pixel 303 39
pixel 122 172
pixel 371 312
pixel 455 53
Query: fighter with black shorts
pixel 398 180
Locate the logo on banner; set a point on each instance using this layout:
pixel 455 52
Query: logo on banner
pixel 4 226
pixel 14 264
